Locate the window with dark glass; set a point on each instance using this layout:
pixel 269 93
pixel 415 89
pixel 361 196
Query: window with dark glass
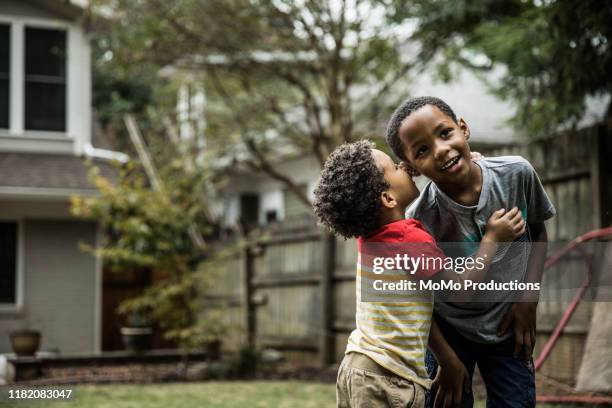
pixel 8 262
pixel 45 79
pixel 249 210
pixel 5 70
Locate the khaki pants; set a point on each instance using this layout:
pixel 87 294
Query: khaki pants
pixel 362 383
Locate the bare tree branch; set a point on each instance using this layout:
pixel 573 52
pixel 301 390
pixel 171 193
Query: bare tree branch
pixel 262 162
pixel 153 175
pixel 264 165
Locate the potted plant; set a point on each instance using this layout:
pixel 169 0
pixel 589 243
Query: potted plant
pixel 25 342
pixel 138 333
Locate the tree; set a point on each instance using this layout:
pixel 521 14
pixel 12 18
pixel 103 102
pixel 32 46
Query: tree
pixel 150 228
pixel 304 75
pixel 555 53
pixel 282 77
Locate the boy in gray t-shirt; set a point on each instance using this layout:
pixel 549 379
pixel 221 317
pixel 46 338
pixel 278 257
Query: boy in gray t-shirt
pixel 425 133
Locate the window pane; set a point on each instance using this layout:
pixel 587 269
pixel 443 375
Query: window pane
pixel 8 261
pixel 45 52
pixel 4 104
pixel 249 210
pixel 45 106
pixel 45 93
pixel 5 64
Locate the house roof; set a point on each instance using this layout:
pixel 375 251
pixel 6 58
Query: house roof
pixel 52 174
pixel 63 173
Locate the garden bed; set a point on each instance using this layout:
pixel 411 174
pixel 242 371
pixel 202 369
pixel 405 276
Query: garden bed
pixel 119 366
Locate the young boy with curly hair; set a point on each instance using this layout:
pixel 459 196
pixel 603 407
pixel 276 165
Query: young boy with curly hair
pixel 454 206
pixel 362 193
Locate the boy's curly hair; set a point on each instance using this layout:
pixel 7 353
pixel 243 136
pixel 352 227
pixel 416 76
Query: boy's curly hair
pixel 347 195
pixel 403 111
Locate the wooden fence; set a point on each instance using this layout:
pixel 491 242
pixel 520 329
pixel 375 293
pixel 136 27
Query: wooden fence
pixel 576 176
pixel 298 294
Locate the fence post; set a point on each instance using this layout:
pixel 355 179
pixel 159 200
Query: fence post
pixel 600 172
pixel 249 271
pixel 326 336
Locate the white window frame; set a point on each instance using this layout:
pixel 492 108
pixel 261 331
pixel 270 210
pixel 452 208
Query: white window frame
pixel 17 78
pixel 9 67
pixel 16 307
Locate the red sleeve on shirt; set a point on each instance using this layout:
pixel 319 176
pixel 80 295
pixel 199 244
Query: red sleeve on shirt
pixel 425 245
pixel 403 237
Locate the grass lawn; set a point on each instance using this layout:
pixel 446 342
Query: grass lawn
pixel 212 394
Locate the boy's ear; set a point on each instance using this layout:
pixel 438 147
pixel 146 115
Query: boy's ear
pixel 464 126
pixel 409 169
pixel 387 199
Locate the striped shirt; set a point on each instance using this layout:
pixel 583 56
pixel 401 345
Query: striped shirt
pixel 394 333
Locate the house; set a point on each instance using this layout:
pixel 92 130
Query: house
pixel 46 281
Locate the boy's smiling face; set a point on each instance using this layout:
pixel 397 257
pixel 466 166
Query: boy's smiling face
pixel 436 146
pixel 401 185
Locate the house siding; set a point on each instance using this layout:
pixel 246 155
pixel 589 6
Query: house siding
pixel 59 287
pixel 304 171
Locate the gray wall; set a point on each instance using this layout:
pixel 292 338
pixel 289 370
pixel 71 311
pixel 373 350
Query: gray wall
pixel 59 286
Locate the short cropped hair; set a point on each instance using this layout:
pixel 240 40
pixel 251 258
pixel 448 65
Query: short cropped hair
pixel 403 111
pixel 347 194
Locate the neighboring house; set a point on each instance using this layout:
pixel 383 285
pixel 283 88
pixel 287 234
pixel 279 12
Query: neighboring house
pixel 46 281
pixel 256 199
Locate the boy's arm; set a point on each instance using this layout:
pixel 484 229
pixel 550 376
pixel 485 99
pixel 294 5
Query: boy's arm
pixel 502 227
pixel 522 314
pixel 486 253
pixel 452 378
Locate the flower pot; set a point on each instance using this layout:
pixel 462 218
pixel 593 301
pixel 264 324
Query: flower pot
pixel 137 339
pixel 25 342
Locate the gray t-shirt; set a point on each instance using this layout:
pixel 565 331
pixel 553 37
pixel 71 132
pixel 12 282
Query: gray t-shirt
pixel 507 182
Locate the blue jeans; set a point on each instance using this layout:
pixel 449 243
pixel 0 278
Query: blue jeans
pixel 510 382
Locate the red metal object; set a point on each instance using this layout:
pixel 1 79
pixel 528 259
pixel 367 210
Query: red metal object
pixel 577 298
pixel 546 350
pixel 574 399
pixel 567 314
pixel 553 259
